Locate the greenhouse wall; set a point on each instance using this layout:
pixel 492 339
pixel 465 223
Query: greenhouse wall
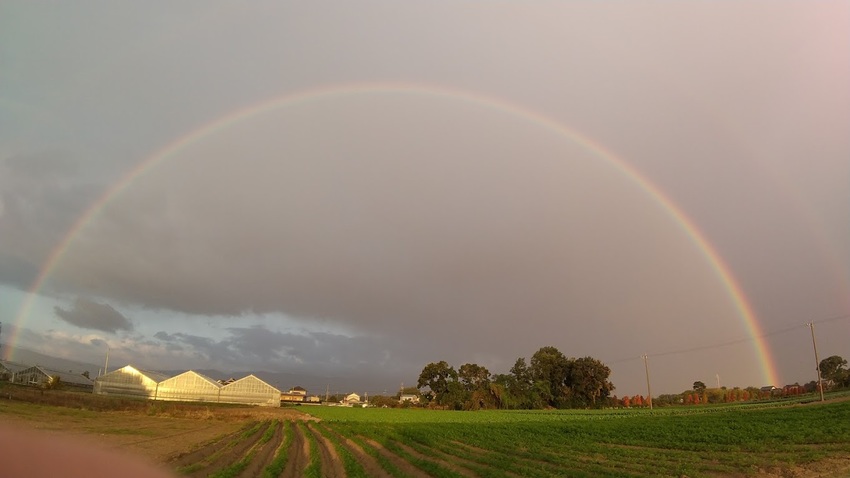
pixel 128 382
pixel 250 391
pixel 189 387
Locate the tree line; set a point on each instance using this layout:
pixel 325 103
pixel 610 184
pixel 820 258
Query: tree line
pixel 548 379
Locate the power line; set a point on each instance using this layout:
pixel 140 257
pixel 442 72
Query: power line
pixel 731 342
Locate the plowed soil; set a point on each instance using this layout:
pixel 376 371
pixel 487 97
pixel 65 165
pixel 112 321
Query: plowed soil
pixel 299 455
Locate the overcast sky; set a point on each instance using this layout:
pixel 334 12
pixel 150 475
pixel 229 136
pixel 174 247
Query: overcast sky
pixel 378 229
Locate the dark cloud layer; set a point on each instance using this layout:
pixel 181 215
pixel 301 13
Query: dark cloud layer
pixel 88 314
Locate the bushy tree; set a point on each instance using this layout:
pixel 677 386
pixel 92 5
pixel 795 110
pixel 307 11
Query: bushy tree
pixel 473 376
pixel 833 368
pixel 437 376
pixel 549 371
pixel 383 401
pixel 587 381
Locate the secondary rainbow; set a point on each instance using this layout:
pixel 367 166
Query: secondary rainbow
pixel 173 148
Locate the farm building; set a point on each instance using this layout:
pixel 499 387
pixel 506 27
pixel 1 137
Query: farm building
pixel 8 369
pixel 189 387
pixel 38 376
pixel 352 399
pixel 129 381
pixel 297 395
pixel 250 390
pixel 406 397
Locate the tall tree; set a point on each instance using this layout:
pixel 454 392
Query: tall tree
pixel 473 376
pixel 549 371
pixel 587 379
pixel 521 385
pixel 699 387
pixel 437 377
pixel 832 368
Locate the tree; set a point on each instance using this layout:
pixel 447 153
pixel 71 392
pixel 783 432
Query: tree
pixel 549 370
pixel 521 372
pixel 473 376
pixel 699 387
pixel 521 385
pixel 439 377
pixel 832 368
pixel 587 380
pixel 383 401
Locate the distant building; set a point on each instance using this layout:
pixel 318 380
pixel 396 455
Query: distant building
pixel 189 386
pixel 352 399
pixel 129 381
pixel 294 395
pixel 5 372
pixel 8 369
pixel 38 376
pixel 408 398
pixel 250 390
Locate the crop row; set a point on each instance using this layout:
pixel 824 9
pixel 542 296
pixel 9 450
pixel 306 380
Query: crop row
pixel 722 441
pixel 354 443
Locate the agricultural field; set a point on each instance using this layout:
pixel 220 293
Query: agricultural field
pixel 762 440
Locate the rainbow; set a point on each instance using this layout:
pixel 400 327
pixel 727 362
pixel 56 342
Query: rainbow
pixel 172 149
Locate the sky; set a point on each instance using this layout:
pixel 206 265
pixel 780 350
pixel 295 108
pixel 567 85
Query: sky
pixel 337 189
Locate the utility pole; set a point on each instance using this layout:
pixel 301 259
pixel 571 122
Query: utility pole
pixel 648 388
pixel 106 364
pixel 817 360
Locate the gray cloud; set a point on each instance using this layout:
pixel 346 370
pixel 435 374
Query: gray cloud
pixel 41 195
pixel 92 315
pixel 100 343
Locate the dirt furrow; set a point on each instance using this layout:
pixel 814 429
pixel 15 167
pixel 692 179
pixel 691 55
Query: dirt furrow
pixel 205 451
pixel 332 466
pixel 399 462
pixel 299 455
pixel 445 464
pixel 369 463
pixel 479 453
pixel 265 455
pixel 231 455
pixel 471 465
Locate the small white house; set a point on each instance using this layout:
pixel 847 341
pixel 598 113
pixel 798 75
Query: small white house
pixel 414 399
pixel 352 399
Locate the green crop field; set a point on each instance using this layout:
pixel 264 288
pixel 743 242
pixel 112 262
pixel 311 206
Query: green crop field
pixel 720 441
pixel 764 439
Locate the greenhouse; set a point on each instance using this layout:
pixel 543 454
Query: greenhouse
pixel 38 376
pixel 250 390
pixel 189 387
pixel 129 381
